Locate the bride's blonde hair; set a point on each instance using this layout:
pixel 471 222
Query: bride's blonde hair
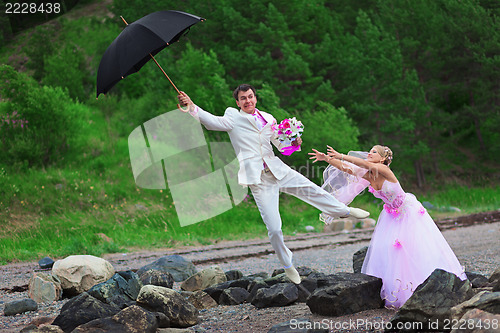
pixel 384 152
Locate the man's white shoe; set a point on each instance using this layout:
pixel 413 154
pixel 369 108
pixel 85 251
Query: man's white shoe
pixel 358 213
pixel 293 275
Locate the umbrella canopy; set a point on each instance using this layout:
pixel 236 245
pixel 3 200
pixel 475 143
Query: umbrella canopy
pixel 138 43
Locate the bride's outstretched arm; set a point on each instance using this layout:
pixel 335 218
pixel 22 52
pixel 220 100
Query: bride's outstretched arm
pixel 319 156
pixel 354 160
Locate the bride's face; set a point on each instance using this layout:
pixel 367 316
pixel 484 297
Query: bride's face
pixel 374 156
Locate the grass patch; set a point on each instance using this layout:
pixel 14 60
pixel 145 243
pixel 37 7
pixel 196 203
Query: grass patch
pixel 61 212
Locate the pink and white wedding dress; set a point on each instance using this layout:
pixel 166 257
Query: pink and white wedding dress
pixel 406 245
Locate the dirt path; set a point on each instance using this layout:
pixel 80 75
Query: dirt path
pixel 474 241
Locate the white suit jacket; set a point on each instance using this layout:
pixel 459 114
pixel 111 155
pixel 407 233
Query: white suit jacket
pixel 251 145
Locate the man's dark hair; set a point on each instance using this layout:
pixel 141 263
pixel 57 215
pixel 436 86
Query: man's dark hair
pixel 243 87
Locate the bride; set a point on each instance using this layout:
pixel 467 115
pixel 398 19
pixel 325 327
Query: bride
pixel 406 246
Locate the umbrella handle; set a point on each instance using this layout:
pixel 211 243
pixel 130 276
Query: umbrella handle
pixel 183 110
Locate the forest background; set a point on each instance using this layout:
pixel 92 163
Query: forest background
pixel 421 77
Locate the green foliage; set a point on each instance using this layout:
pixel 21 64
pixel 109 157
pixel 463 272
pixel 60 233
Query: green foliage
pixel 48 112
pixel 66 69
pixel 41 45
pixel 418 76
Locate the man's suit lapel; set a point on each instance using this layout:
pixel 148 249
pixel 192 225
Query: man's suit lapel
pixel 250 118
pixel 269 119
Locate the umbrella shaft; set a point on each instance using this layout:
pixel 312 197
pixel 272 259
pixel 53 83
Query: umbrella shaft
pixel 171 82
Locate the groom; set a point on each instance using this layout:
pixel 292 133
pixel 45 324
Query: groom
pixel 251 134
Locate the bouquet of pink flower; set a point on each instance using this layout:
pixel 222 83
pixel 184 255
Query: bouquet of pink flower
pixel 287 131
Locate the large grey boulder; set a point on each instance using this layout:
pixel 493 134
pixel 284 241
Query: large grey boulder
pixel 280 294
pixel 79 273
pixel 178 310
pixel 433 299
pixel 81 309
pixel 178 266
pixel 133 319
pixel 345 293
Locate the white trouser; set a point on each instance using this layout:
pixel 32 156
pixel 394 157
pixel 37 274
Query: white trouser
pixel 266 195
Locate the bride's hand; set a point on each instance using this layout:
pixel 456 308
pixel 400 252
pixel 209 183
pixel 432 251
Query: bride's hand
pixel 318 156
pixel 333 153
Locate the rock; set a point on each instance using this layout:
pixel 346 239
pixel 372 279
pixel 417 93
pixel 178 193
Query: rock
pixel 233 275
pixel 303 271
pixel 478 321
pixel 176 265
pixel 428 205
pixel 263 275
pixel 495 276
pixel 216 290
pixel 358 258
pixel 254 287
pixel 81 272
pixel 179 311
pixel 233 296
pixel 311 281
pixel 368 223
pixel 157 278
pixel 280 294
pixel 244 282
pixel 176 330
pixel 494 280
pixel 204 279
pixel 42 329
pixel 20 306
pixel 334 226
pixel 345 293
pixel 301 325
pixel 477 280
pixel 42 321
pixel 46 263
pixel 133 319
pixel 201 300
pixel 433 299
pixel 309 228
pixel 485 300
pixel 121 289
pixel 81 309
pixel 44 288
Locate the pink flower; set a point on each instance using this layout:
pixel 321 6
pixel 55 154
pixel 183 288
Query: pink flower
pixel 288 132
pixel 393 211
pixel 371 189
pixel 397 244
pixel 422 210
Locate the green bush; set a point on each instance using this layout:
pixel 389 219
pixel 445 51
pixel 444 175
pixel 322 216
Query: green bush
pixel 48 116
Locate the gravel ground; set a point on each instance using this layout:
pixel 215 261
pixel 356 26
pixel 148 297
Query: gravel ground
pixel 477 247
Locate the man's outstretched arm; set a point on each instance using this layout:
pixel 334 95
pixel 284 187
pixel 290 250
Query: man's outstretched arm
pixel 211 122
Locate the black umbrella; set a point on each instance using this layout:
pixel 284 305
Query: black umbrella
pixel 139 42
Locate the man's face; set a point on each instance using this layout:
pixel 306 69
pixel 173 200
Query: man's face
pixel 247 101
